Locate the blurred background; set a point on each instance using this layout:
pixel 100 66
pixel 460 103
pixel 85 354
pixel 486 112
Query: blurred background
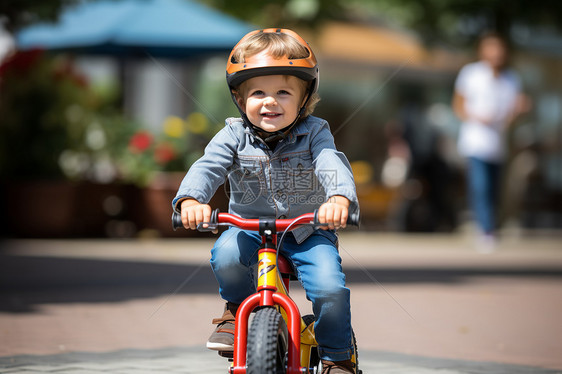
pixel 105 104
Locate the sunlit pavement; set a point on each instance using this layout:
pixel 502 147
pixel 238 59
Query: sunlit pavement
pixel 420 304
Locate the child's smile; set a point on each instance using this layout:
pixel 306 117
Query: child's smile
pixel 272 102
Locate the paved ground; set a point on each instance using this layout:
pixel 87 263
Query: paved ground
pixel 195 360
pixel 421 304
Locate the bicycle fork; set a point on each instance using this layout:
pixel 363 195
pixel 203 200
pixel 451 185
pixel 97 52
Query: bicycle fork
pixel 267 295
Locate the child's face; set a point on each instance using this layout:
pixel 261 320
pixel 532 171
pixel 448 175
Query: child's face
pixel 272 102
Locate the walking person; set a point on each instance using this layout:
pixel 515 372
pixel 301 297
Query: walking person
pixel 487 99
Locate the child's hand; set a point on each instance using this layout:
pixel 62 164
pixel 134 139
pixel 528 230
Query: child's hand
pixel 334 212
pixel 193 213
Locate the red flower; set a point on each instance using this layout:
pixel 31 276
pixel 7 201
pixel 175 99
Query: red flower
pixel 21 61
pixel 164 153
pixel 140 142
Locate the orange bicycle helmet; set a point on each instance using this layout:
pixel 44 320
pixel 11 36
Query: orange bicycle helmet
pixel 305 68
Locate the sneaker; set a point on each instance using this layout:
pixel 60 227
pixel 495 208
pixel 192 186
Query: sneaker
pixel 222 339
pixel 337 367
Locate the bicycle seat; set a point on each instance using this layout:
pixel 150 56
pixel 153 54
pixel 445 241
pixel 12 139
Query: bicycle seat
pixel 286 268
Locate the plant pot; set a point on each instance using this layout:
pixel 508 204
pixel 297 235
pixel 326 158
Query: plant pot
pixel 153 207
pixel 38 208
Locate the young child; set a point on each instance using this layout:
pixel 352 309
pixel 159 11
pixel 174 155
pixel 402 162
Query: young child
pixel 280 161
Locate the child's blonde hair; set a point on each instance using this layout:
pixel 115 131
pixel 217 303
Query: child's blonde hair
pixel 277 45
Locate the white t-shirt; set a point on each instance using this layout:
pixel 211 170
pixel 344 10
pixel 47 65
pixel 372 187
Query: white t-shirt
pixel 486 96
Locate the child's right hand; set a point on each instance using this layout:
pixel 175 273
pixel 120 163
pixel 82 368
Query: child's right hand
pixel 193 213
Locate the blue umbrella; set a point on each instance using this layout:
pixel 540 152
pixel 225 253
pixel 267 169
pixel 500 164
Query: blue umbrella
pixel 162 28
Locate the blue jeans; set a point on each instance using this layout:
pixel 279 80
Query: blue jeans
pixel 483 185
pixel 318 267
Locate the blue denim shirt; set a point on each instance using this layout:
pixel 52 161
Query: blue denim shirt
pixel 303 171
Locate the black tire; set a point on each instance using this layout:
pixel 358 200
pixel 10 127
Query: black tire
pixel 267 343
pixel 357 371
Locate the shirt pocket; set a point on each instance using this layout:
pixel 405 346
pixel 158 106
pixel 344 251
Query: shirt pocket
pixel 249 169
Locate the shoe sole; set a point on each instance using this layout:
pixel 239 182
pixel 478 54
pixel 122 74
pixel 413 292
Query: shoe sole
pixel 219 347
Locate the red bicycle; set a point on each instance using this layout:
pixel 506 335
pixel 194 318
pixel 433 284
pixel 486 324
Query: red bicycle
pixel 279 340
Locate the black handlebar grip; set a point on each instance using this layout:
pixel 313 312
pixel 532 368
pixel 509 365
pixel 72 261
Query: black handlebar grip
pixel 354 219
pixel 176 221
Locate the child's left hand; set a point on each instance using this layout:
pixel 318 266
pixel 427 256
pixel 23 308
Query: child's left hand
pixel 334 212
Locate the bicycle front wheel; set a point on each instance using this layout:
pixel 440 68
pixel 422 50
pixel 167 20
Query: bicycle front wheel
pixel 267 343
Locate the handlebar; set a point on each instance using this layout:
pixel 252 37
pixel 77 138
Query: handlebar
pixel 226 219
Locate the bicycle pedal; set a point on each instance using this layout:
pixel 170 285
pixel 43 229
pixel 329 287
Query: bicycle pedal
pixel 226 354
